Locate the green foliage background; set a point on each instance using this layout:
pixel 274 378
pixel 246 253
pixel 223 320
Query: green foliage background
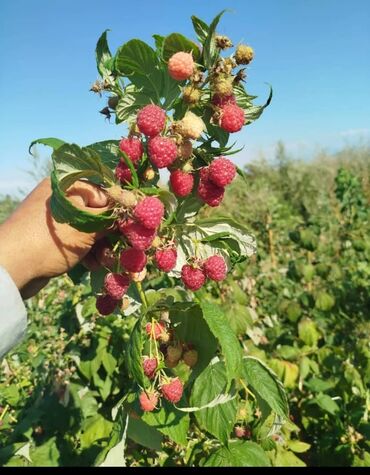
pixel 301 305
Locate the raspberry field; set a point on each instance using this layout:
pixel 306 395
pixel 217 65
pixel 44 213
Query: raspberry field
pixel 227 320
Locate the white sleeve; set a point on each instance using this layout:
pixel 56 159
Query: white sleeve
pixel 13 314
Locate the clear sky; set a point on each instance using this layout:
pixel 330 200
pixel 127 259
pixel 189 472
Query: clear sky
pixel 315 53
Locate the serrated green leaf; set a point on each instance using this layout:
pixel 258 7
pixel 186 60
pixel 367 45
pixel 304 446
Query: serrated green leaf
pixel 135 56
pixel 254 112
pixel 210 50
pixel 144 434
pixel 218 420
pixel 326 403
pixel 266 384
pixel 229 343
pixel 108 151
pixel 239 454
pixel 49 142
pixel 200 27
pixel 103 55
pixel 93 429
pixel 176 42
pixel 134 355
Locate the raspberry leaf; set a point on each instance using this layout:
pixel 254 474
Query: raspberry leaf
pixel 254 112
pixel 239 454
pixel 103 56
pixel 50 142
pixel 134 355
pixel 210 50
pixel 176 42
pixel 135 56
pixel 217 420
pixel 200 27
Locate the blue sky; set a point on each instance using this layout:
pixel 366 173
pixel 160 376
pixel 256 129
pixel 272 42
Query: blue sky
pixel 315 53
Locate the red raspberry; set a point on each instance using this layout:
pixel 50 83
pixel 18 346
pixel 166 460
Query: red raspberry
pixel 172 390
pixel 181 66
pixel 149 212
pixel 239 432
pixel 133 260
pixel 132 147
pixel 192 277
pixel 162 151
pixel 150 366
pixel 222 171
pixel 148 400
pixel 160 330
pixel 151 120
pixel 221 101
pixel 215 268
pixel 116 285
pixel 232 119
pixel 105 304
pixel 210 193
pixel 181 182
pixel 137 235
pixel 123 173
pixel 166 259
pixel 190 358
pixel 204 173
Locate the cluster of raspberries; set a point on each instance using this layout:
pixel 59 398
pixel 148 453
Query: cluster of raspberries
pixel 171 388
pixel 194 275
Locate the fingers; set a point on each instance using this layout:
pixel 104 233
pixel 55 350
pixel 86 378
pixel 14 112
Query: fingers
pixel 88 197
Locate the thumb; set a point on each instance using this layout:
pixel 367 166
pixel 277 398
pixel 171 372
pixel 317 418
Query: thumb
pixel 88 197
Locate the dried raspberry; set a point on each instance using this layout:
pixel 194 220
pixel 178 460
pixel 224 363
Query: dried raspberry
pixel 170 363
pixel 159 330
pixel 151 120
pixel 123 173
pixel 166 259
pixel 181 66
pixel 148 400
pixel 162 151
pixel 149 212
pixel 185 150
pixel 132 147
pixel 105 304
pixel 137 235
pixel 222 171
pixel 149 366
pixel 172 390
pixel 221 101
pixel 181 182
pixel 244 54
pixel 232 119
pixel 210 193
pixel 192 277
pixel 174 352
pixel 190 358
pixel 133 260
pixel 116 285
pixel 103 252
pixel 215 268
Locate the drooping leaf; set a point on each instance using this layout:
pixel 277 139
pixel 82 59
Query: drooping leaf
pixel 239 454
pixel 218 420
pixel 50 142
pixel 254 112
pixel 144 434
pixel 103 56
pixel 134 354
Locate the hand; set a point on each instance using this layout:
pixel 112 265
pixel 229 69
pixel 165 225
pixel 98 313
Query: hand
pixel 34 247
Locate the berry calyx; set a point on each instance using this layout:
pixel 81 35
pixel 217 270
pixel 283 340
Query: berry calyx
pixel 151 120
pixel 222 171
pixel 166 259
pixel 162 151
pixel 150 366
pixel 172 390
pixel 181 183
pixel 133 260
pixel 192 277
pixel 232 118
pixel 181 66
pixel 215 268
pixel 105 304
pixel 116 285
pixel 132 147
pixel 149 212
pixel 148 400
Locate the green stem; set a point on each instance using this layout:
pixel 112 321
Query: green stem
pixel 142 294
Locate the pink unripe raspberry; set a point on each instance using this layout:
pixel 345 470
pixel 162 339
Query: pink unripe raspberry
pixel 132 147
pixel 151 120
pixel 123 173
pixel 149 212
pixel 221 101
pixel 166 259
pixel 116 285
pixel 159 331
pixel 232 118
pixel 192 277
pixel 222 171
pixel 137 235
pixel 172 390
pixel 105 304
pixel 210 193
pixel 162 151
pixel 239 432
pixel 215 268
pixel 181 183
pixel 149 366
pixel 148 400
pixel 181 66
pixel 133 260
